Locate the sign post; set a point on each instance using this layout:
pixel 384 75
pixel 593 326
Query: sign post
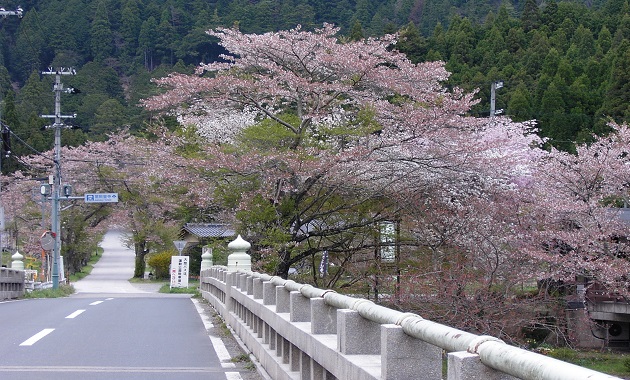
pixel 179 272
pixel 179 267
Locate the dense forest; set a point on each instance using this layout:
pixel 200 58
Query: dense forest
pixel 565 64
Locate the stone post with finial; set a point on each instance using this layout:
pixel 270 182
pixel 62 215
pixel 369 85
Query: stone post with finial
pixel 239 259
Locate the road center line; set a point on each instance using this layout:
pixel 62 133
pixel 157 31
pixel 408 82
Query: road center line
pixel 30 341
pixel 76 313
pixel 96 303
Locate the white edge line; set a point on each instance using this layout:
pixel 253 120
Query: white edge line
pixel 217 343
pixel 32 340
pixel 233 376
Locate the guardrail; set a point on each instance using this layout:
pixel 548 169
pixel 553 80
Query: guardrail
pixel 11 283
pixel 298 331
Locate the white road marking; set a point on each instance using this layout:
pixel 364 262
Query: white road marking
pixel 217 343
pixel 76 313
pixel 96 303
pixel 32 340
pixel 233 376
pixel 204 318
pixel 222 352
pixel 85 369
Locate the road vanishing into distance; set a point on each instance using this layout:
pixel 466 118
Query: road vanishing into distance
pixel 112 329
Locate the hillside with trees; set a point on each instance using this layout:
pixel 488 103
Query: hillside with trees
pixel 563 64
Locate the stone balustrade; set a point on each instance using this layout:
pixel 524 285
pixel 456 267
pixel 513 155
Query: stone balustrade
pixel 11 283
pixel 300 332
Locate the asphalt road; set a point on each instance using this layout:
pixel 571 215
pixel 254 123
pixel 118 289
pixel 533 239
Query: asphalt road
pixel 112 329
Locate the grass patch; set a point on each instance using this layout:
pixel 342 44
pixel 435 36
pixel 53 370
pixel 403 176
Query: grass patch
pixel 61 291
pixel 138 280
pixel 246 360
pixel 609 362
pixel 87 269
pixel 191 289
pixel 242 358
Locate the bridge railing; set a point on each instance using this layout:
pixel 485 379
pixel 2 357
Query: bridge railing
pixel 11 283
pixel 298 331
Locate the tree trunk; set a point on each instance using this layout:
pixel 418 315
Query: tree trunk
pixel 282 269
pixel 141 265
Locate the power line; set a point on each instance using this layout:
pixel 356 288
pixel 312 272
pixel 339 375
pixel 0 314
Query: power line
pixel 37 152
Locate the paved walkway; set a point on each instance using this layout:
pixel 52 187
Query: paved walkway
pixel 112 272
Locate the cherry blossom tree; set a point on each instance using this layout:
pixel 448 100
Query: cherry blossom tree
pixel 153 183
pixel 344 134
pixel 576 213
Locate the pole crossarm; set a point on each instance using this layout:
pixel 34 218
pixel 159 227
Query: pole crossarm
pixel 18 12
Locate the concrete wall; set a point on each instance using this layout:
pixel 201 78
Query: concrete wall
pixel 11 283
pixel 300 332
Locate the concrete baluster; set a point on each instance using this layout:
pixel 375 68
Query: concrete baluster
pixel 357 335
pixel 403 357
pixel 258 288
pixel 300 307
pixel 229 303
pixel 283 302
pixel 250 285
pixel 269 293
pixel 305 365
pixel 242 282
pixel 323 317
pixel 466 366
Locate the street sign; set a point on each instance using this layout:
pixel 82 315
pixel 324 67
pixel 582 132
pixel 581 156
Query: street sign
pixel 180 244
pixel 101 198
pixel 179 271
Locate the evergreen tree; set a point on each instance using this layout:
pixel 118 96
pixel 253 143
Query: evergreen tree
pixel 11 119
pixel 109 116
pixel 616 103
pixel 164 46
pixel 520 106
pixel 101 34
pixel 30 46
pixel 530 18
pixel 549 16
pixel 130 27
pixel 356 33
pixel 411 42
pixel 146 42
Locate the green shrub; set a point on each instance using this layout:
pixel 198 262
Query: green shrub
pixel 61 291
pixel 160 263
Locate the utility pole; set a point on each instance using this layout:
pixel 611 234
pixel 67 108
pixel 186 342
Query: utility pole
pixel 56 186
pixel 495 86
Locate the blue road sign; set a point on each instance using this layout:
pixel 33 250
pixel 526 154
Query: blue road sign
pixel 101 198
